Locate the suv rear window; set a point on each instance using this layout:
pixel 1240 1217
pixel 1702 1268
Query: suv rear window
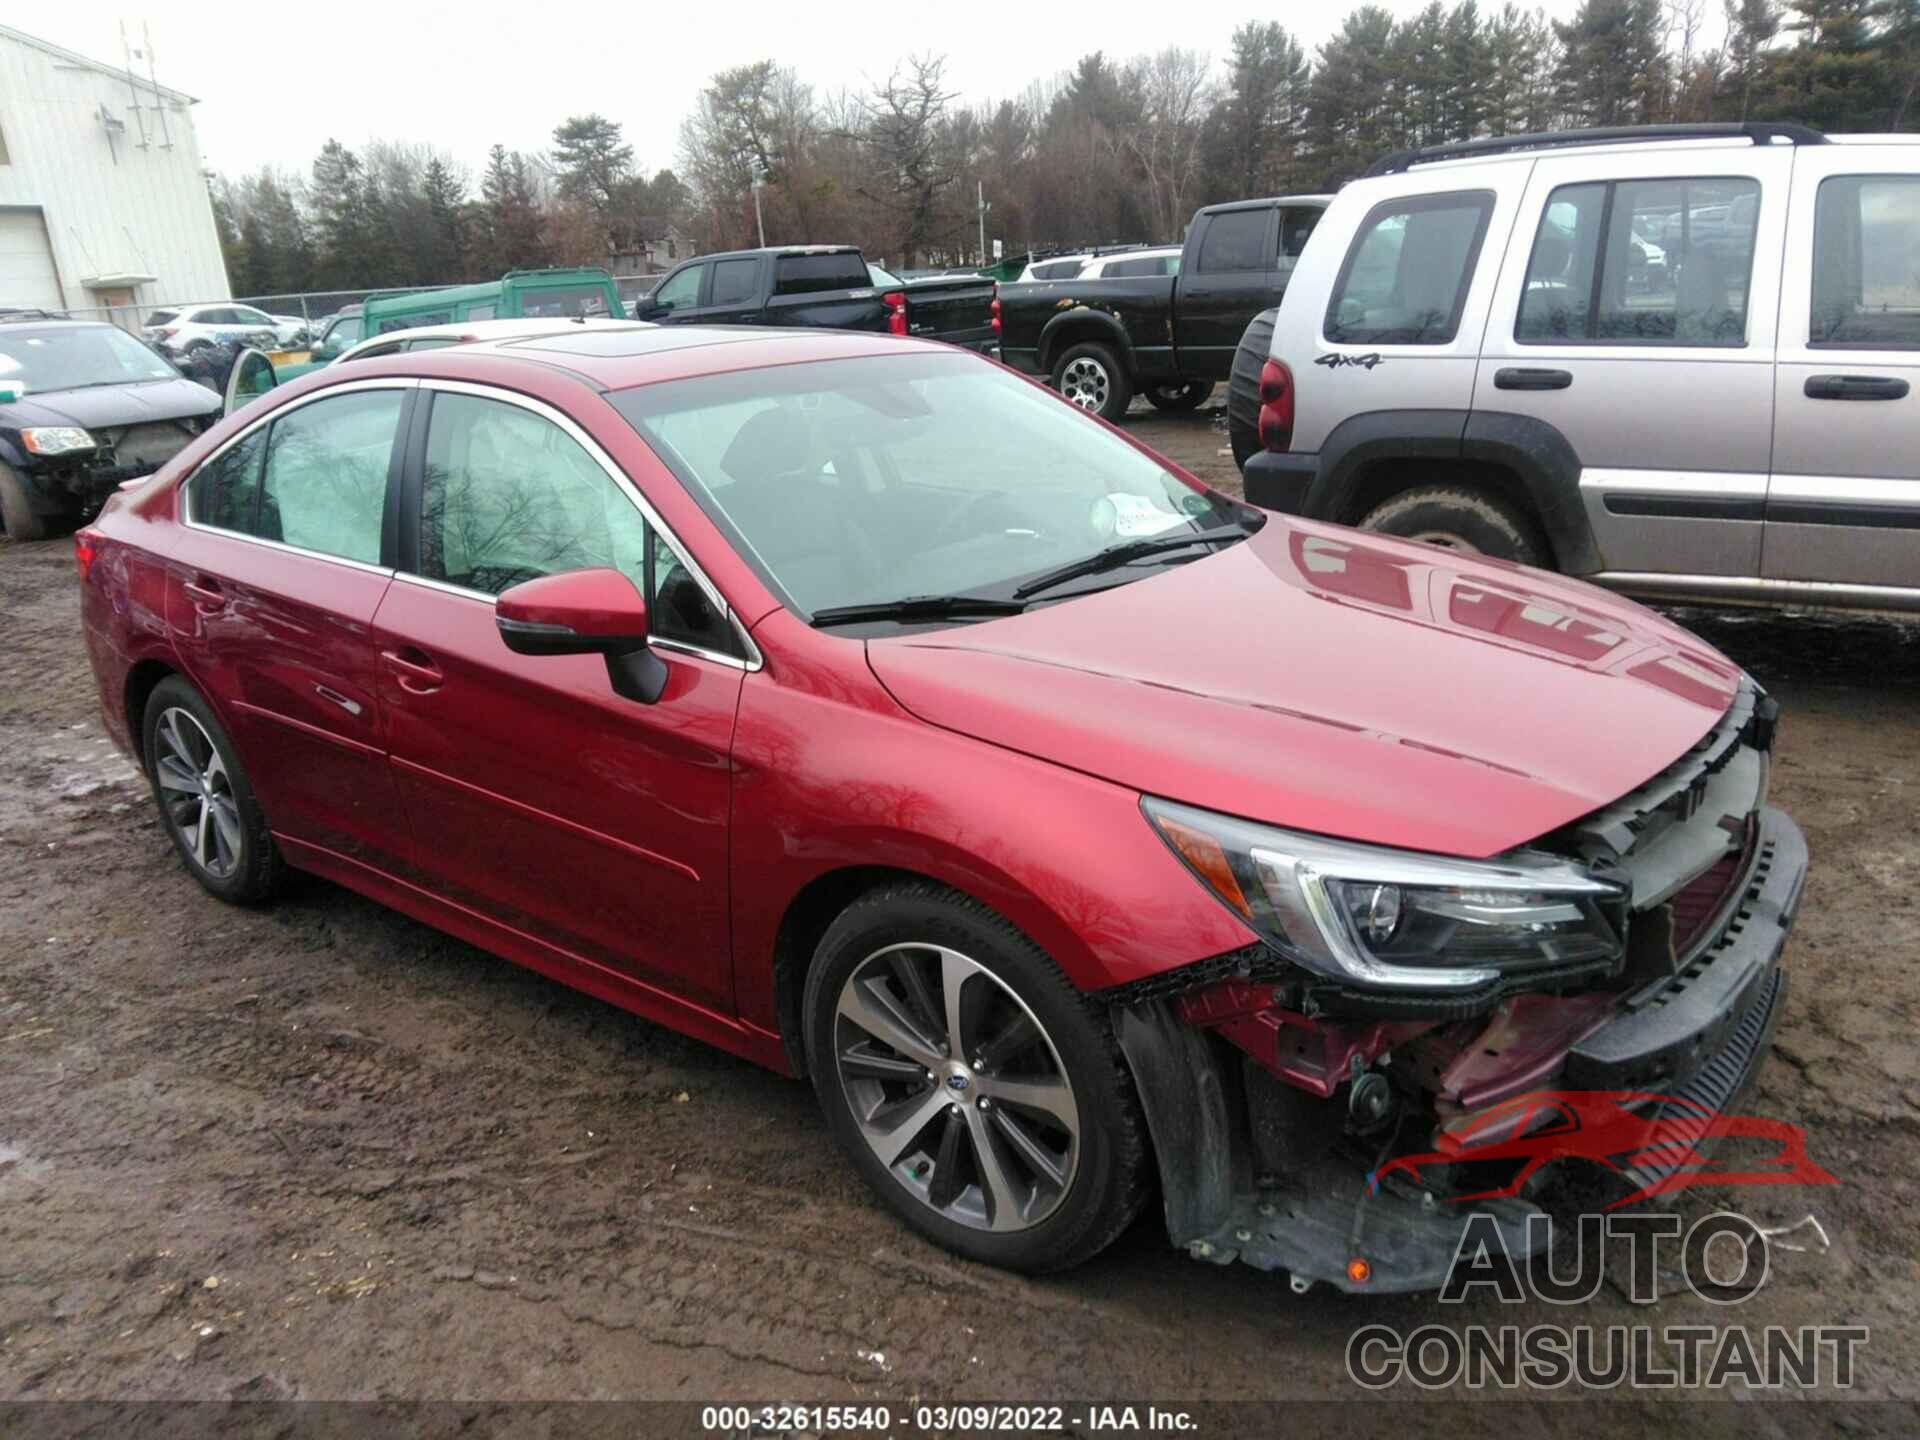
pixel 1642 262
pixel 810 274
pixel 1405 278
pixel 162 317
pixel 1866 290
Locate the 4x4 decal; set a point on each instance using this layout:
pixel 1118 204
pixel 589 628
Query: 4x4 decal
pixel 1335 360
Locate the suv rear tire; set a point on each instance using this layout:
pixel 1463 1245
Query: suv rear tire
pixel 1459 517
pixel 1243 386
pixel 1092 377
pixel 16 509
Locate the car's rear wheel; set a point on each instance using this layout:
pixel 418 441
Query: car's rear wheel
pixel 1461 518
pixel 1091 376
pixel 16 509
pixel 1176 399
pixel 972 1087
pixel 206 801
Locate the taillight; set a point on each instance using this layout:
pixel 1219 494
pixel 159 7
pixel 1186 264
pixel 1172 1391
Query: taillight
pixel 1276 406
pixel 86 547
pixel 169 331
pixel 994 309
pixel 896 304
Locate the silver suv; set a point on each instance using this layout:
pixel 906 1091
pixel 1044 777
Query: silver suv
pixel 1676 361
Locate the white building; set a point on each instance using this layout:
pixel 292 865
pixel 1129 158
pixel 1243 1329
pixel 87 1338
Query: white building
pixel 102 200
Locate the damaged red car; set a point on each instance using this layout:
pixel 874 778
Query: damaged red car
pixel 856 705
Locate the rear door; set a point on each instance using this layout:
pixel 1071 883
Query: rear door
pixel 734 292
pixel 538 797
pixel 283 557
pixel 1659 378
pixel 1242 262
pixel 1843 506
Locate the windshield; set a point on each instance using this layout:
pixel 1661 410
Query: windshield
pixel 72 358
pixel 855 482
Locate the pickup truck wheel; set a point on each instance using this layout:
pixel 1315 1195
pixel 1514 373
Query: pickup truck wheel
pixel 1243 386
pixel 1461 518
pixel 1090 375
pixel 975 1090
pixel 205 798
pixel 1176 399
pixel 16 509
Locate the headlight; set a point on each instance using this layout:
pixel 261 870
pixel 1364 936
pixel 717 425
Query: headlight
pixel 1396 918
pixel 56 439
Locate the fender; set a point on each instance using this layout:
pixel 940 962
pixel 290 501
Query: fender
pixel 1080 323
pixel 1533 450
pixel 1182 1088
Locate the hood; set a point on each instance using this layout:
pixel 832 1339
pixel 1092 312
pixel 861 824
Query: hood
pixel 110 407
pixel 1338 682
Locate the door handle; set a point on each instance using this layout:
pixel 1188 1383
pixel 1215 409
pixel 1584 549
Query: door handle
pixel 417 676
pixel 1523 379
pixel 206 594
pixel 1855 387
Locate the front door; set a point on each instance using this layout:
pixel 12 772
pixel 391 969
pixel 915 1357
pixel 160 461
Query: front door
pixel 677 297
pixel 538 797
pixel 1636 317
pixel 272 590
pixel 1844 503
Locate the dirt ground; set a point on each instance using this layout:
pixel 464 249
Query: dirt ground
pixel 321 1151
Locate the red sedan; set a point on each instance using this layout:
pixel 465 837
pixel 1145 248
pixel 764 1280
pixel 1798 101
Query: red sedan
pixel 857 705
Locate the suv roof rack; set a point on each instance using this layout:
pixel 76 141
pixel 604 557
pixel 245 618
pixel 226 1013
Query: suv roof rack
pixel 1760 133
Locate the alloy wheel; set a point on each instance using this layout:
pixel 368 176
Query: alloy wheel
pixel 196 793
pixel 956 1087
pixel 1085 382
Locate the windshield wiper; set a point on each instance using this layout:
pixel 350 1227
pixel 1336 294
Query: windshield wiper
pixel 1125 553
pixel 919 607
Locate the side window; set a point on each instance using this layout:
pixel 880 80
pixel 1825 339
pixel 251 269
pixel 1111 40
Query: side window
pixel 1406 275
pixel 1235 240
pixel 1642 262
pixel 733 281
pixel 680 291
pixel 677 607
pixel 378 352
pixel 222 491
pixel 509 496
pixel 1866 283
pixel 324 487
pixel 479 312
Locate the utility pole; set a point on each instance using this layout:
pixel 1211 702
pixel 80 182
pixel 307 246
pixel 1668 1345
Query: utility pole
pixel 759 220
pixel 980 203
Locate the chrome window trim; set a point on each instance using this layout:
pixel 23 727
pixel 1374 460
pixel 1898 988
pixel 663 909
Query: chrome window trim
pixel 625 485
pixel 185 497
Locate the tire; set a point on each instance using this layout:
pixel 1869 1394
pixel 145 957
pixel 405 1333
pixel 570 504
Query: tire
pixel 197 347
pixel 1028 1025
pixel 236 860
pixel 1457 517
pixel 1091 376
pixel 1243 386
pixel 1178 399
pixel 16 509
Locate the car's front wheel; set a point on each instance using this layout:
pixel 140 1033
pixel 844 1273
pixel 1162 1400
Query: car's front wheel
pixel 1460 517
pixel 980 1094
pixel 206 801
pixel 17 514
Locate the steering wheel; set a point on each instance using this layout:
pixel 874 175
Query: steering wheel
pixel 969 520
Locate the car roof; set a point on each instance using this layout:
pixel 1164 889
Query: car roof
pixel 477 330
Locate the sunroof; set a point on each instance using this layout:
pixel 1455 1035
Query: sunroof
pixel 634 342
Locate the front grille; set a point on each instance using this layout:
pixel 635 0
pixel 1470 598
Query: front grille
pixel 1696 904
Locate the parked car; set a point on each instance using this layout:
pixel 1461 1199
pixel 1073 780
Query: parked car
pixel 185 329
pixel 584 292
pixel 336 334
pixel 1171 334
pixel 854 705
pixel 1506 385
pixel 822 287
pixel 84 406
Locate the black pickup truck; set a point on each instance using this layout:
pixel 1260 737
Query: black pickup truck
pixel 1168 336
pixel 825 287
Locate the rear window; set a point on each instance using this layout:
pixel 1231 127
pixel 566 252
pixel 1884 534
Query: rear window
pixel 414 322
pixel 810 274
pixel 1057 269
pixel 1405 278
pixel 162 317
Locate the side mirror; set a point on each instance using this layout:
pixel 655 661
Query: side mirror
pixel 642 310
pixel 585 612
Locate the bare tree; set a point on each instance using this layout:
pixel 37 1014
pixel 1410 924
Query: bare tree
pixel 1177 92
pixel 913 170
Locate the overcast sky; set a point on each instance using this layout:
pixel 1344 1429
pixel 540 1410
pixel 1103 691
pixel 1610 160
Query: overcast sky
pixel 275 80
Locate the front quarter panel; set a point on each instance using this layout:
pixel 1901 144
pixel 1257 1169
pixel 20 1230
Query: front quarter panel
pixel 830 773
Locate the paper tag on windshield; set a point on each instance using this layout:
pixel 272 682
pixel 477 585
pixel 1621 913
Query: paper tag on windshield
pixel 1136 515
